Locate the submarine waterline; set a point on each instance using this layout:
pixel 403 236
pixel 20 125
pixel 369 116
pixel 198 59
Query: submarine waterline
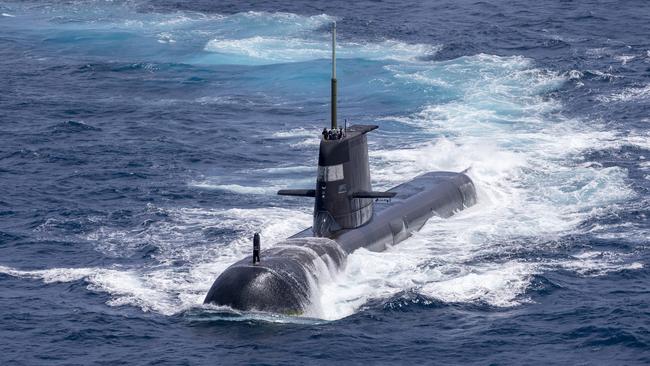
pixel 346 217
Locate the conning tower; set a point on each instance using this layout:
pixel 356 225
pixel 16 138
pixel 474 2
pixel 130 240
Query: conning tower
pixel 343 194
pixel 343 184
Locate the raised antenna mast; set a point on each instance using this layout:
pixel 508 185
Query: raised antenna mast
pixel 334 75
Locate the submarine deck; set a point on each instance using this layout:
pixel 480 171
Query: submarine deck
pixel 428 187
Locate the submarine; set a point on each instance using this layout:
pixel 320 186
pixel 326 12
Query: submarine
pixel 348 215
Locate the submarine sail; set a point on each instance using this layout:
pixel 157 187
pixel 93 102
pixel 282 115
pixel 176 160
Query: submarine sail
pixel 347 216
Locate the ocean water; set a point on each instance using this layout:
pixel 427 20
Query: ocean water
pixel 142 143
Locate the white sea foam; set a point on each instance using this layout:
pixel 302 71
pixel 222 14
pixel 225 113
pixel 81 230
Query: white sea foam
pixel 50 275
pixel 532 188
pixel 166 37
pixel 299 137
pixel 241 38
pixel 625 58
pixel 268 50
pixel 486 112
pixel 628 95
pixel 287 170
pixel 164 286
pixel 295 133
pixel 268 186
pixel 599 263
pixel 237 188
pixel 597 52
pixel 575 75
pixel 496 285
pixel 283 37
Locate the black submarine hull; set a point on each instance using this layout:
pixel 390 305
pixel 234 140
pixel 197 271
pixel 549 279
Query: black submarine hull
pixel 287 279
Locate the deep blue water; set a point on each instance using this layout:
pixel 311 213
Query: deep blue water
pixel 142 142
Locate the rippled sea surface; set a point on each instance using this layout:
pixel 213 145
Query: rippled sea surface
pixel 142 143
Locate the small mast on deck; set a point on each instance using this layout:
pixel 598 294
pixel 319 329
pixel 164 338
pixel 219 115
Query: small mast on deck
pixel 334 124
